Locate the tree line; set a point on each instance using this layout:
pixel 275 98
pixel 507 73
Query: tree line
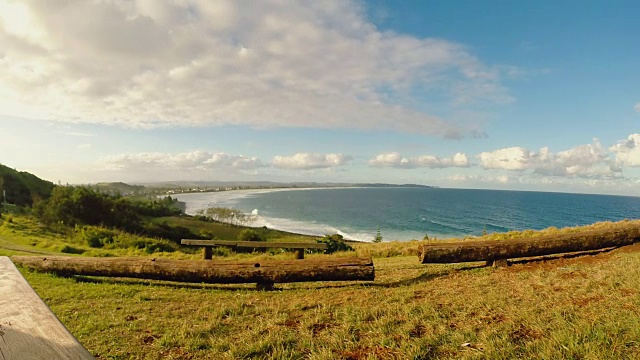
pixel 69 206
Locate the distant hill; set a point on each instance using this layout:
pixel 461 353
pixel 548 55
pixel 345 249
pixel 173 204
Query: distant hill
pixel 22 187
pixel 118 188
pixel 273 184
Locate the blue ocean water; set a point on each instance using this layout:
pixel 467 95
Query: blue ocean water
pixel 410 213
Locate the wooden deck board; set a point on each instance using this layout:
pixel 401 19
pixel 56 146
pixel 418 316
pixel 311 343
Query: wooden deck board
pixel 28 328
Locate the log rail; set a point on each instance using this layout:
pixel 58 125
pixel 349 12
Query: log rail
pixel 209 244
pixel 501 250
pixel 264 272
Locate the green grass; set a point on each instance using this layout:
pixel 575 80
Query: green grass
pixel 230 232
pixel 570 308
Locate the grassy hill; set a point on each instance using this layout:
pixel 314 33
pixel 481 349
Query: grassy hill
pixel 118 188
pixel 22 187
pixel 585 307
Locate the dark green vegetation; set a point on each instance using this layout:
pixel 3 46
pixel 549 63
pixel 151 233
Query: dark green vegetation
pixel 118 188
pixel 22 188
pixel 97 220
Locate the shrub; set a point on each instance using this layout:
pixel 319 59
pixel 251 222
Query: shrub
pixel 71 250
pixel 334 243
pixel 95 237
pixel 249 235
pixel 100 237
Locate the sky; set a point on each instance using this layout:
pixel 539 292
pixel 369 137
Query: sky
pixel 537 95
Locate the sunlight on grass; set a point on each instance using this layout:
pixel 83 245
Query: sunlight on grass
pixel 583 307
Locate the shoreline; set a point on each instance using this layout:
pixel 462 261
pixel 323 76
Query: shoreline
pixel 197 201
pixel 204 200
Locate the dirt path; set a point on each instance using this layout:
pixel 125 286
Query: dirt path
pixel 4 244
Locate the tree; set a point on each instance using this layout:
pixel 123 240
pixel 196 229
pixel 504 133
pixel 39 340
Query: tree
pixel 378 237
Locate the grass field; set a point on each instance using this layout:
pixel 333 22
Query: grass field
pixel 584 307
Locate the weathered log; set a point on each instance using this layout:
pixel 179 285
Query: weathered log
pixel 207 252
pixel 468 251
pixel 206 271
pixel 255 244
pixel 28 328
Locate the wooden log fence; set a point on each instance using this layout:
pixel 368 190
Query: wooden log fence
pixel 500 250
pixel 209 244
pixel 264 273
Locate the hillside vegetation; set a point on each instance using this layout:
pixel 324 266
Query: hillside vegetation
pixel 22 188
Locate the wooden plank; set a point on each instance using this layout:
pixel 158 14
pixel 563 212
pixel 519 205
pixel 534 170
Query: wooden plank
pixel 254 244
pixel 28 328
pixel 489 250
pixel 207 271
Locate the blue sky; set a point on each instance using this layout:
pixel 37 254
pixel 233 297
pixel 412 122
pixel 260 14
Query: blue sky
pixel 537 95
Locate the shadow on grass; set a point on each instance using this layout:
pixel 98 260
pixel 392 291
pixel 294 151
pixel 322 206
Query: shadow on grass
pixel 541 259
pixel 428 276
pixel 167 284
pixel 202 286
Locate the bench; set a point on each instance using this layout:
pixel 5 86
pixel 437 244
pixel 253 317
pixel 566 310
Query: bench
pixel 209 244
pixel 28 328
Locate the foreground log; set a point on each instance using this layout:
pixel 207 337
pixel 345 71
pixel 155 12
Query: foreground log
pixel 468 251
pixel 201 271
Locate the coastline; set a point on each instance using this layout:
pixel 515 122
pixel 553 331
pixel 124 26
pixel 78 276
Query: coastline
pixel 203 200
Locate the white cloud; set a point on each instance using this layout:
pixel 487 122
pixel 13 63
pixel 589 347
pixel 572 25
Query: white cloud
pixel 637 107
pixel 307 161
pixel 587 161
pixel 627 152
pixel 189 161
pixel 513 158
pixel 150 63
pixel 396 160
pixel 501 179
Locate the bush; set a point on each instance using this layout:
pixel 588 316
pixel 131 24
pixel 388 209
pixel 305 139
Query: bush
pixel 334 243
pixel 249 235
pixel 71 250
pixel 100 237
pixel 95 237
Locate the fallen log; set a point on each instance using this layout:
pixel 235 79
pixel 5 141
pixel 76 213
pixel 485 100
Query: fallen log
pixel 469 251
pixel 205 271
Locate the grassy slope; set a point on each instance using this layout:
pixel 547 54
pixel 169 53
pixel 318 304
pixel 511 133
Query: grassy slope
pixel 583 307
pixel 228 232
pixel 22 186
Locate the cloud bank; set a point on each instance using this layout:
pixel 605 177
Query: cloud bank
pixel 584 161
pixel 396 160
pixel 145 63
pixel 188 161
pixel 627 152
pixel 307 161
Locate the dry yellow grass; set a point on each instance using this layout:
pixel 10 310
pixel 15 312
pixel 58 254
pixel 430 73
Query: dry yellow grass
pixel 585 307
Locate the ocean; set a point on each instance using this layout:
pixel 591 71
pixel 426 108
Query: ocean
pixel 403 213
